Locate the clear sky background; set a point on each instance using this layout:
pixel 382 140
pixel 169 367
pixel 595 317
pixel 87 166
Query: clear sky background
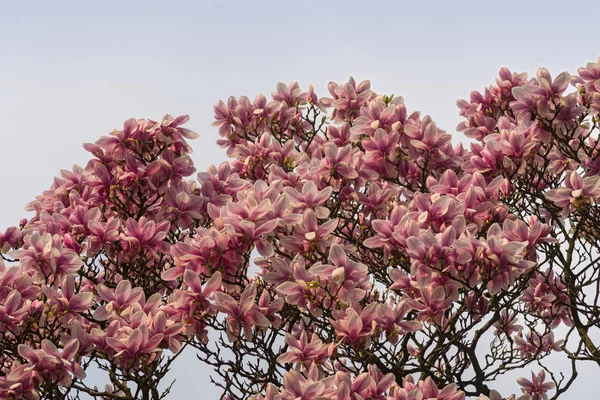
pixel 71 71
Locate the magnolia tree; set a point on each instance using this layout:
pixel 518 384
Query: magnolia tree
pixel 348 250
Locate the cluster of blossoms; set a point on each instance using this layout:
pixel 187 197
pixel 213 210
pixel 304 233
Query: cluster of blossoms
pixel 352 255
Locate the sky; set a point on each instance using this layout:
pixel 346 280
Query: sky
pixel 71 71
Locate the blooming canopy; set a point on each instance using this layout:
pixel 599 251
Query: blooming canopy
pixel 348 250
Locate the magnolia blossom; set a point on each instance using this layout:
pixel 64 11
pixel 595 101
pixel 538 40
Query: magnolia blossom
pixel 243 315
pixel 577 192
pixel 536 387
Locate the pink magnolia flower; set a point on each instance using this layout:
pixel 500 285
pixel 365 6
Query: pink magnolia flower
pixel 504 260
pixel 298 387
pixel 536 387
pixel 426 136
pixel 507 324
pixel 426 389
pixel 305 351
pixel 13 311
pixel 184 207
pixel 286 93
pixel 240 316
pixel 519 231
pixel 309 235
pixel 432 305
pixel 203 252
pixel 13 278
pixel 103 233
pixel 19 382
pixel 577 192
pixel 52 364
pixel 118 301
pixel 311 198
pixel 171 131
pixel 392 319
pixel 340 136
pixel 348 278
pixel 145 235
pixel 552 88
pixel 534 342
pixel 136 344
pixel 218 185
pixel 9 239
pixel 537 298
pixel 526 101
pixel 494 395
pixel 354 327
pixel 347 99
pixel 381 152
pixel 377 115
pixel 376 200
pixel 311 98
pixel 193 305
pixel 371 384
pixel 66 302
pixel 337 163
pixel 270 309
pixel 431 391
pixel 271 393
pixel 45 254
pixel 174 167
pixel 304 289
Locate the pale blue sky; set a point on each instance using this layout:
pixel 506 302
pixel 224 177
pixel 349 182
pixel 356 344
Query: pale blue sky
pixel 71 71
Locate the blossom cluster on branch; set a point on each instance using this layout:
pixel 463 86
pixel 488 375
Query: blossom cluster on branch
pixel 348 250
